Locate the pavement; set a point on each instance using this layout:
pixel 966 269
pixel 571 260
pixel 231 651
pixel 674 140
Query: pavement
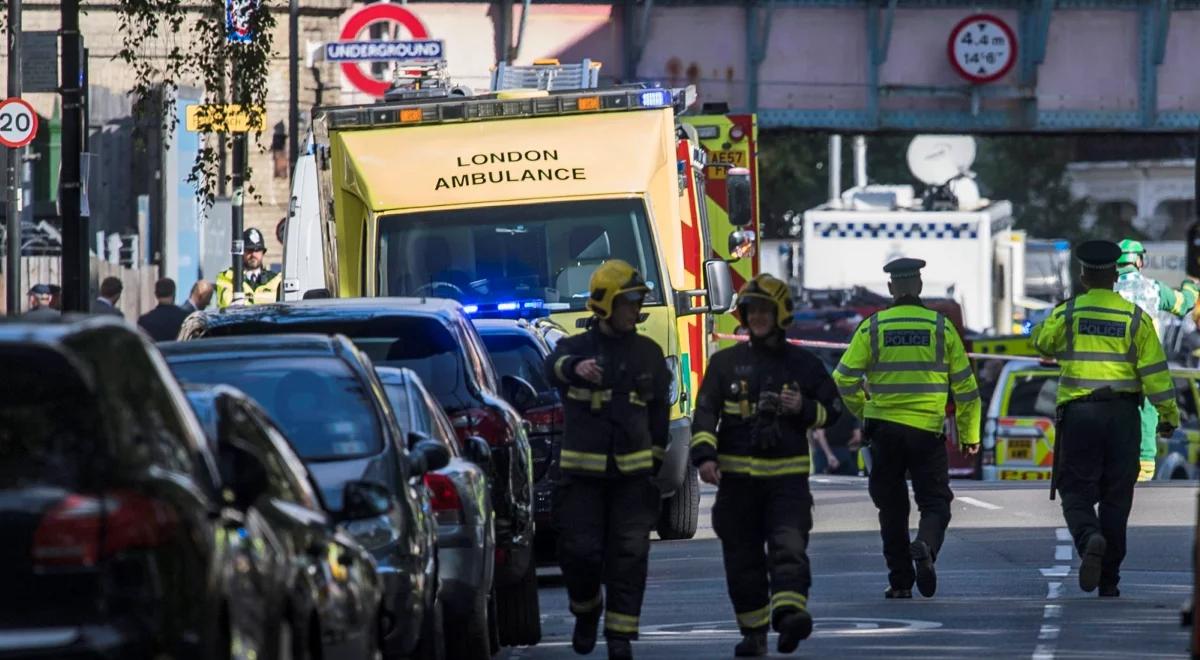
pixel 1007 585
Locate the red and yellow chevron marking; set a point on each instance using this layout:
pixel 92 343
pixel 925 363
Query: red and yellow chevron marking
pixel 693 351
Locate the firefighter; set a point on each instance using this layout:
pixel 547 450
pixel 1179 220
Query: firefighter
pixel 749 438
pixel 259 285
pixel 1111 359
pixel 1156 299
pixel 615 386
pixel 902 364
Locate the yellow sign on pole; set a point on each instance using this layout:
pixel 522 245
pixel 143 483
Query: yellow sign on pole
pixel 229 118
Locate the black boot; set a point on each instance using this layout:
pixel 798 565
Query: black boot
pixel 793 627
pixel 584 639
pixel 753 645
pixel 893 592
pixel 923 561
pixel 619 649
pixel 1109 591
pixel 1090 567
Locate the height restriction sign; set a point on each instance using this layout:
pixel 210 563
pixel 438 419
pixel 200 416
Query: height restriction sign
pixel 18 123
pixel 982 48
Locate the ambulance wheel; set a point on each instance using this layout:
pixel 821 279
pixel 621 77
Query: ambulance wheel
pixel 681 513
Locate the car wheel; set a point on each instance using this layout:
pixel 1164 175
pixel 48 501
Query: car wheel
pixel 433 642
pixel 680 514
pixel 493 623
pixel 468 636
pixel 520 614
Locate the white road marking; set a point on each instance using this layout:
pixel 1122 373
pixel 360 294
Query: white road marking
pixel 1048 632
pixel 1063 553
pixel 1044 652
pixel 1056 571
pixel 1053 611
pixel 1062 534
pixel 1053 591
pixel 979 503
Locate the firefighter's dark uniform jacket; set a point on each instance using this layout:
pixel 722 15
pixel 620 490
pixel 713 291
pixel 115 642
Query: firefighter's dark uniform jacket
pixel 728 425
pixel 619 427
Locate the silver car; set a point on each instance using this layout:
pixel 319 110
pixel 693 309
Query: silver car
pixel 462 507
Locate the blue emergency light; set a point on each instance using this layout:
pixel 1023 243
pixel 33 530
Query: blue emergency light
pixel 509 309
pixel 655 98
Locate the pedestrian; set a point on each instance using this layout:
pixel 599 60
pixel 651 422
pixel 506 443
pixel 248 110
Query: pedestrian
pixel 615 387
pixel 40 299
pixel 55 297
pixel 110 293
pixel 1158 300
pixel 259 285
pixel 835 447
pixel 908 359
pixel 1110 359
pixel 756 404
pixel 162 323
pixel 199 298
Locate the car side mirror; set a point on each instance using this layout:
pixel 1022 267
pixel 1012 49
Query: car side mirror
pixel 243 475
pixel 718 284
pixel 364 499
pixel 426 455
pixel 518 392
pixel 478 451
pixel 738 196
pixel 742 244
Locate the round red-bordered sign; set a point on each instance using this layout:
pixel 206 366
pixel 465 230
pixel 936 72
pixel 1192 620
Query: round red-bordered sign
pixel 18 123
pixel 982 48
pixel 360 21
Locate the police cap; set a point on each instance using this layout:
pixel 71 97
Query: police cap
pixel 253 240
pixel 1097 254
pixel 904 268
pixel 40 290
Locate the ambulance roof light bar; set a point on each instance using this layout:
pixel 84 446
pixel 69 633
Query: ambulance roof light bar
pixel 547 75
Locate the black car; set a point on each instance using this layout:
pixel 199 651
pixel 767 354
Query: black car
pixel 325 395
pixel 324 595
pixel 435 339
pixel 519 348
pixel 114 537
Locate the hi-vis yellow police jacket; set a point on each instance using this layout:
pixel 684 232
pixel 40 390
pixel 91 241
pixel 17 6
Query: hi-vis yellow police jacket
pixel 1101 340
pixel 901 367
pixel 267 291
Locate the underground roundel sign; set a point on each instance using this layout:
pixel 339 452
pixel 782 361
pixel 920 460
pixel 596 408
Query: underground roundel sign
pixel 355 29
pixel 982 48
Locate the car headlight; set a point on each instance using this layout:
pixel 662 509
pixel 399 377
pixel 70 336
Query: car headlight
pixel 673 390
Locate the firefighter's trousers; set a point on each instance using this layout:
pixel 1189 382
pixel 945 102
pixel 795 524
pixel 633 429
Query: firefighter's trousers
pixel 604 527
pixel 775 512
pixel 895 450
pixel 1098 445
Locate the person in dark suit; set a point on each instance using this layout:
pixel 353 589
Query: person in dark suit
pixel 162 323
pixel 40 309
pixel 110 293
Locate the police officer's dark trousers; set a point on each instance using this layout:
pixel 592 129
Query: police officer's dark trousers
pixel 896 449
pixel 775 512
pixel 604 529
pixel 1098 445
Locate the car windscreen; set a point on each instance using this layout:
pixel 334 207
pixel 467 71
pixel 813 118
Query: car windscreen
pixel 1033 395
pixel 50 427
pixel 515 355
pixel 316 400
pixel 545 252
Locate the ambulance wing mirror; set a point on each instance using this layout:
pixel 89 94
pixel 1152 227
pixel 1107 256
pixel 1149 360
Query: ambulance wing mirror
pixel 737 196
pixel 717 291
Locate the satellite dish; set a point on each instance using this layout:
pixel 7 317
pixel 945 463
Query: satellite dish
pixel 935 159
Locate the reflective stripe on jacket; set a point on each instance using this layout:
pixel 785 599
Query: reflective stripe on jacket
pixel 267 292
pixel 1100 340
pixel 901 366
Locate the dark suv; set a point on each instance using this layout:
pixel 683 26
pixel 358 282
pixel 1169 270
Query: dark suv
pixel 114 540
pixel 435 339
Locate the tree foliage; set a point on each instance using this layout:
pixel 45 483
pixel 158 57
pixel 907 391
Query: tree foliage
pixel 194 36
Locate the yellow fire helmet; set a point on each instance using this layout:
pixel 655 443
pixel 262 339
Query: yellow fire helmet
pixel 613 278
pixel 771 289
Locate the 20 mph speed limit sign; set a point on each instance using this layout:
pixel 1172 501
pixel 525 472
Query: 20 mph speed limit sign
pixel 18 123
pixel 982 48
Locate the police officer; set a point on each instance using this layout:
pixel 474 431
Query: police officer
pixel 615 386
pixel 908 359
pixel 1157 299
pixel 749 437
pixel 258 284
pixel 1110 358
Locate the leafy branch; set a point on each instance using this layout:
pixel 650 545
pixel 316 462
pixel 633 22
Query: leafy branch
pixel 198 51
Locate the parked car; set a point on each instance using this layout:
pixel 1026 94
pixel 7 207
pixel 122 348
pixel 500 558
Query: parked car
pixel 462 507
pixel 115 538
pixel 435 339
pixel 325 395
pixel 333 611
pixel 520 349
